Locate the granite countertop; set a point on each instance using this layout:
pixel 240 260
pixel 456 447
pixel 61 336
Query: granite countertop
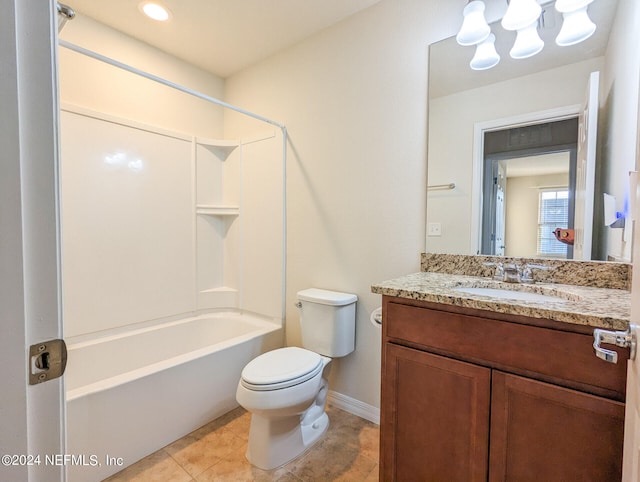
pixel 583 305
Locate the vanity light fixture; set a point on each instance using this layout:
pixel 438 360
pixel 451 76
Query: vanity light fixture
pixel 474 26
pixel 486 55
pixel 522 16
pixel 155 11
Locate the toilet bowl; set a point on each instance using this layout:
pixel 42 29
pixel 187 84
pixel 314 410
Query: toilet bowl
pixel 286 389
pixel 287 405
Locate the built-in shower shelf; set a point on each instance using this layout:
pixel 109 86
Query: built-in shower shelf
pixel 222 296
pixel 220 289
pixel 218 210
pixel 220 148
pixel 217 207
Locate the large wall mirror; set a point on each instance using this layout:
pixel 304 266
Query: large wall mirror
pixel 502 143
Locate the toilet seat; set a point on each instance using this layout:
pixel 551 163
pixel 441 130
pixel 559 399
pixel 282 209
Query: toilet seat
pixel 281 368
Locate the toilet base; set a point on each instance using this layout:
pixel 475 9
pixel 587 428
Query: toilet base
pixel 274 441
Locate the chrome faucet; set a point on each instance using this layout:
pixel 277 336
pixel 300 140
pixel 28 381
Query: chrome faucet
pixel 527 272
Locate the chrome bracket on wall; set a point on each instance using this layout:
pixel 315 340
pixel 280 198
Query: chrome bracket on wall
pixel 47 361
pixel 623 339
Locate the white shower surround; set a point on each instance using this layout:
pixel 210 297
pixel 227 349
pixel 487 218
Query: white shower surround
pixel 158 223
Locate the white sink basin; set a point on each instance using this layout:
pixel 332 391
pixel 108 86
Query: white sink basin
pixel 508 294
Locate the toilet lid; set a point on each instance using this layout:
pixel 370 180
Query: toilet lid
pixel 281 368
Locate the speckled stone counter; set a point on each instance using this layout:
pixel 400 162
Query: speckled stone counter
pixel 583 305
pixel 598 274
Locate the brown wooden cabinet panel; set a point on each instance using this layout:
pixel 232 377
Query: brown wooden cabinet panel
pixel 544 432
pixel 435 418
pixel 469 397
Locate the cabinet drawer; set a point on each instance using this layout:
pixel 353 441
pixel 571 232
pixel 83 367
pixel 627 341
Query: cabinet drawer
pixel 553 354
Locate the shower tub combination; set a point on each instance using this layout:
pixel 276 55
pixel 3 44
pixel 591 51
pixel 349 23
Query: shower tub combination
pixel 132 393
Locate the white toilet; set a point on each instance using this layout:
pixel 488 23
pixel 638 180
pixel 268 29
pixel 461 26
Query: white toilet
pixel 286 389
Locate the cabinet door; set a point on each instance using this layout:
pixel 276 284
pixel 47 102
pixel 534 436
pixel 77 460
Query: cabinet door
pixel 541 432
pixel 435 418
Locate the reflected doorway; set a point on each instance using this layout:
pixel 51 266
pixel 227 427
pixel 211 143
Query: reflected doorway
pixel 529 187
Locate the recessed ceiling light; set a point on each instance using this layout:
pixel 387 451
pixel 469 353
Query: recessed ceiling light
pixel 155 11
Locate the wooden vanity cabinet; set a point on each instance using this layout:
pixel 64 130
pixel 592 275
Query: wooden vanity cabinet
pixel 471 395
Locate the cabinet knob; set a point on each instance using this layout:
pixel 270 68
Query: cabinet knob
pixel 624 339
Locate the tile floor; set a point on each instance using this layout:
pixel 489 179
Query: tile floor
pixel 347 452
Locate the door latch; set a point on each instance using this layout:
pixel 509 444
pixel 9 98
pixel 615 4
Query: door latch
pixel 623 339
pixel 47 360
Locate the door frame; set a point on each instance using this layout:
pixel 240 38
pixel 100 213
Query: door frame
pixel 492 184
pixel 479 129
pixel 32 416
pixel 631 456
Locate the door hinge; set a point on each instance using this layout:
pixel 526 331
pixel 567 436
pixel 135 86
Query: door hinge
pixel 47 361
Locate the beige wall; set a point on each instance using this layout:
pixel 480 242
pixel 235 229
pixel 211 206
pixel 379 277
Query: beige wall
pixel 88 83
pixel 354 101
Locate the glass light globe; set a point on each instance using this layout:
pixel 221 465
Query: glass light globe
pixel 576 27
pixel 474 27
pixel 528 42
pixel 563 6
pixel 486 55
pixel 520 14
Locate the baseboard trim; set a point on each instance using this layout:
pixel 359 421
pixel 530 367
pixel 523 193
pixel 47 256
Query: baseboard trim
pixel 355 407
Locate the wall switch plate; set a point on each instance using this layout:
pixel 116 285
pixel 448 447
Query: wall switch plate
pixel 434 229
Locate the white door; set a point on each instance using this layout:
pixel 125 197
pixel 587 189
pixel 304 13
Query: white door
pixel 31 416
pixel 631 464
pixel 586 171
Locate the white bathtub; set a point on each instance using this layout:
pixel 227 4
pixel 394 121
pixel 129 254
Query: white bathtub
pixel 132 393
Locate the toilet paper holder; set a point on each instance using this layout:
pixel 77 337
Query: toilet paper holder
pixel 376 317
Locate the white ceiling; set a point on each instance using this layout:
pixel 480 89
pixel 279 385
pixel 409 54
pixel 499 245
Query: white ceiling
pixel 222 36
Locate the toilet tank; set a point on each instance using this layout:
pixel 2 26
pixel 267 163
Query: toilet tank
pixel 328 321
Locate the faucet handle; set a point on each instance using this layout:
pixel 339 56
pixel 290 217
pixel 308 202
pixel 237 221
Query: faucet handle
pixel 537 266
pixel 527 271
pixel 499 273
pixel 512 272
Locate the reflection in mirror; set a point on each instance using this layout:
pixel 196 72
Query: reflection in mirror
pixel 521 166
pixel 465 104
pixel 538 203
